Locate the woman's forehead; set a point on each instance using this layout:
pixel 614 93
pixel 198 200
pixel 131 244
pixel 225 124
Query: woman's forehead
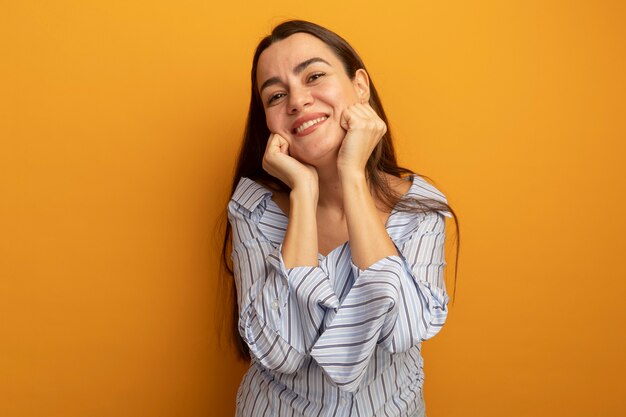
pixel 291 51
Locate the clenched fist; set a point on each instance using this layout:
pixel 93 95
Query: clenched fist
pixel 364 130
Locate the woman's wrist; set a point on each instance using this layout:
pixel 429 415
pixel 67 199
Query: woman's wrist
pixel 305 193
pixel 349 175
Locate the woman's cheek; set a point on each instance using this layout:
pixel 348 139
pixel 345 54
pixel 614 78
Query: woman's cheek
pixel 271 123
pixel 276 126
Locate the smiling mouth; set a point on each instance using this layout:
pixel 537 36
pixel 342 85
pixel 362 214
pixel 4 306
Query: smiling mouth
pixel 309 123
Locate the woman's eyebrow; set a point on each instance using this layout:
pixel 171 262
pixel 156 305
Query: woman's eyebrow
pixel 296 70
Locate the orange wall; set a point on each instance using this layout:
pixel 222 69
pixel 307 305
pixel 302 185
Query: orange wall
pixel 120 124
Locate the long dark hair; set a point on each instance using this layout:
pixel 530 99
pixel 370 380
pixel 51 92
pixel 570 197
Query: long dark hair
pixel 381 162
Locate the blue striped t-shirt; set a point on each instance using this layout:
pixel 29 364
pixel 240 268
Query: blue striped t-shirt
pixel 334 340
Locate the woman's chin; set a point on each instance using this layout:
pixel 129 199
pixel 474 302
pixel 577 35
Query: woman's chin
pixel 318 148
pixel 319 157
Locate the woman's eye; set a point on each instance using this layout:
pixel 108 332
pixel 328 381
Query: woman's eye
pixel 275 97
pixel 315 76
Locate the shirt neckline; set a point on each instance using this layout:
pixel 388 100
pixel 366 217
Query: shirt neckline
pixel 393 212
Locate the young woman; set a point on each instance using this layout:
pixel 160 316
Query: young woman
pixel 337 252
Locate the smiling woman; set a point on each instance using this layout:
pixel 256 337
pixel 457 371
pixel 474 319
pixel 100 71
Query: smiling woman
pixel 305 94
pixel 337 252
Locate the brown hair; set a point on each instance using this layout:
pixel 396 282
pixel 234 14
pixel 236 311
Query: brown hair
pixel 381 162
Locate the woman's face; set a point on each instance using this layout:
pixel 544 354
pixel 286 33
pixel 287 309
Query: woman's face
pixel 304 89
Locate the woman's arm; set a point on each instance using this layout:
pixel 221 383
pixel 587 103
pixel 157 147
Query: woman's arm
pixel 283 294
pixel 280 309
pixel 300 245
pixel 369 241
pixel 395 303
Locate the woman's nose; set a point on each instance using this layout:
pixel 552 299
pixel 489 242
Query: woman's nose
pixel 299 99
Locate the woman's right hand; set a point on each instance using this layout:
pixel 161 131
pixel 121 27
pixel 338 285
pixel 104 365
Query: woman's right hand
pixel 278 163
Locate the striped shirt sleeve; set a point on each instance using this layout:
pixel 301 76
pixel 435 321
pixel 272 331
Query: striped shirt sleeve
pixel 396 303
pixel 280 310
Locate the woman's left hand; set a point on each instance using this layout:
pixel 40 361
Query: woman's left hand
pixel 364 130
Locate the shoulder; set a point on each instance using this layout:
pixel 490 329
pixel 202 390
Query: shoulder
pixel 251 215
pixel 247 197
pixel 399 185
pixel 423 188
pixel 419 188
pixel 404 222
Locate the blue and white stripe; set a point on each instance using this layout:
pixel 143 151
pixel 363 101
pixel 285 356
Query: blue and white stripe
pixel 334 340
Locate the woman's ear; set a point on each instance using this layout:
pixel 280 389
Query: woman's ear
pixel 361 83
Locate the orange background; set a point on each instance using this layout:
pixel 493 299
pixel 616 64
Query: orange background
pixel 120 122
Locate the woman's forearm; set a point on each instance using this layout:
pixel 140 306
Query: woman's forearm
pixel 369 240
pixel 300 243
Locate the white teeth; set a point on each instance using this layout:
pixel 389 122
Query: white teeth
pixel 310 123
